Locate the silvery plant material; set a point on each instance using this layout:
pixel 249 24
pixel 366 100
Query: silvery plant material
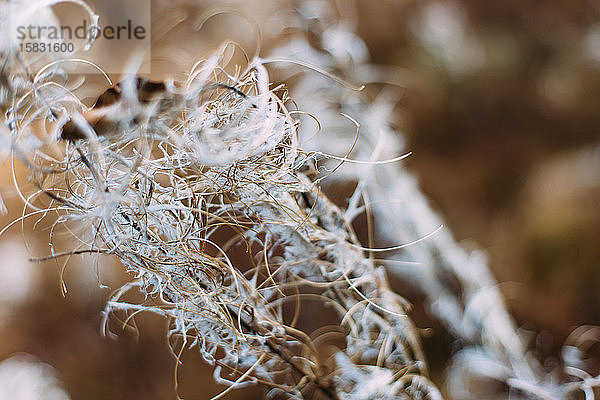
pixel 209 190
pixel 23 377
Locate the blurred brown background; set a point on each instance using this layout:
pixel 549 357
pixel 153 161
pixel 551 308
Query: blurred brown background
pixel 500 107
pixel 501 111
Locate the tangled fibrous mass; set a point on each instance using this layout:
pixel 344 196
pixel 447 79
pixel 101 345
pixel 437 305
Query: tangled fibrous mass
pixel 202 192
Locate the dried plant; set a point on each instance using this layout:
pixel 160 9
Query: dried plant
pixel 208 191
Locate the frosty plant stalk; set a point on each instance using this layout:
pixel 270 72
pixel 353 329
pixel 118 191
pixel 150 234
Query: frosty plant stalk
pixel 202 192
